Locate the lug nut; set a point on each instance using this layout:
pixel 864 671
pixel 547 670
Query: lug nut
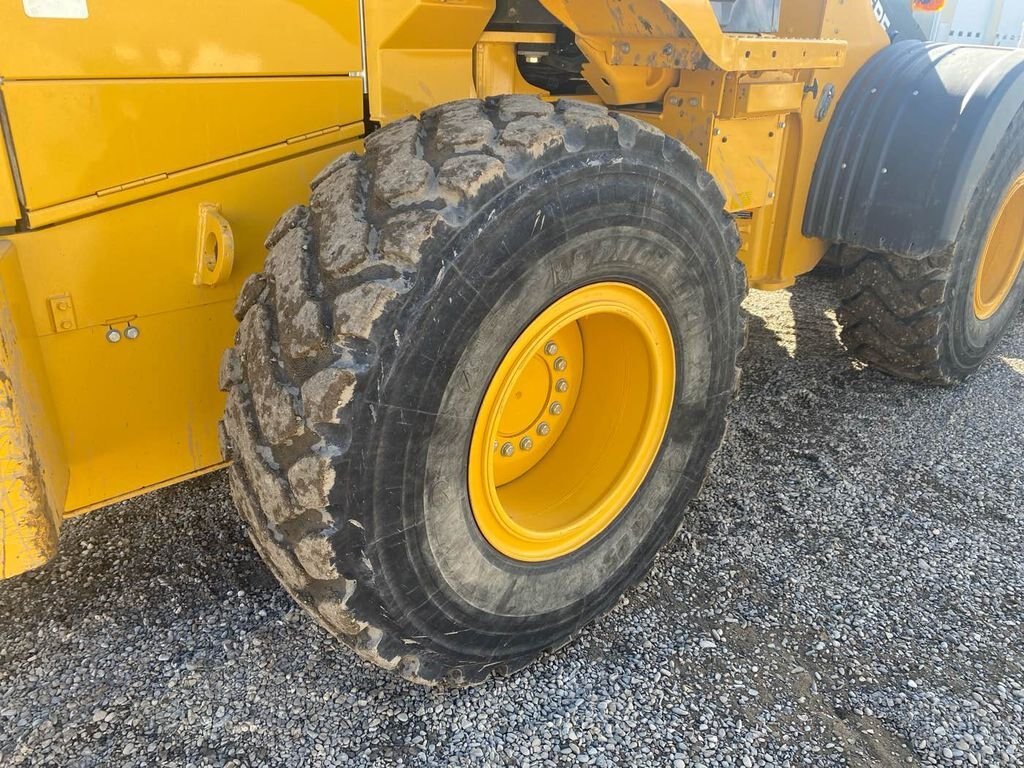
pixel 550 348
pixel 556 408
pixel 113 335
pixel 507 450
pixel 526 443
pixel 561 385
pixel 543 428
pixel 561 364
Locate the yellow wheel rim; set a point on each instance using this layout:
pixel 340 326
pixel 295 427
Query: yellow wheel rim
pixel 571 422
pixel 1002 256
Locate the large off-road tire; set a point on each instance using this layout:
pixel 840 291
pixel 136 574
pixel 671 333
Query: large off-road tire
pixel 365 348
pixel 927 318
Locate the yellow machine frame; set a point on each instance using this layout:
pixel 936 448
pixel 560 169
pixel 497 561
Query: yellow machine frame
pixel 148 151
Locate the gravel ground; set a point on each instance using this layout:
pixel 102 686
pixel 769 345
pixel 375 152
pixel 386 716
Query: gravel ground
pixel 850 596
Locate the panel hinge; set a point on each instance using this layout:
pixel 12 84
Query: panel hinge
pixel 132 184
pixel 313 134
pixel 62 313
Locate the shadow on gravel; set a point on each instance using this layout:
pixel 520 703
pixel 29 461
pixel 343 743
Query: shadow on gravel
pixel 139 560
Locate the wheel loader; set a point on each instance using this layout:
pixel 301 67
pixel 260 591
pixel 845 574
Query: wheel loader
pixel 478 367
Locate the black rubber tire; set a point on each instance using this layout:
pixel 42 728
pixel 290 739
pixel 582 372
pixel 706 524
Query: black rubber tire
pixel 365 345
pixel 914 317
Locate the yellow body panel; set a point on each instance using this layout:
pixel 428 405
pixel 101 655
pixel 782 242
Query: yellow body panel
pixel 186 38
pixel 744 158
pixel 108 133
pixel 9 209
pixel 138 133
pixel 497 67
pixel 419 53
pixel 164 183
pixel 136 412
pixel 33 471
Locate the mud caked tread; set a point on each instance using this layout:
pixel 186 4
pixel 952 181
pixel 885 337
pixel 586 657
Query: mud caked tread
pixel 313 324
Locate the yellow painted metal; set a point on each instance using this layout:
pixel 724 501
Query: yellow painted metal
pixel 103 135
pixel 126 124
pixel 496 66
pixel 784 251
pixel 683 34
pixel 149 248
pixel 137 412
pixel 689 111
pixel 143 490
pixel 215 247
pixel 731 53
pixel 773 248
pixel 734 123
pixel 744 158
pixel 187 177
pixel 675 51
pixel 618 84
pixel 1001 257
pixel 9 209
pixel 33 472
pixel 419 53
pixel 187 38
pixel 571 422
pixel 762 95
pixel 550 381
pixel 62 313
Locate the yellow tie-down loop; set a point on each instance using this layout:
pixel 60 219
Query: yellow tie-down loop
pixel 215 247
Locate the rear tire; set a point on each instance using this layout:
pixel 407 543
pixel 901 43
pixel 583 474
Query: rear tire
pixel 916 318
pixel 366 344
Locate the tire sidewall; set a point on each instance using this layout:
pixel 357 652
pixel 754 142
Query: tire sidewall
pixel 971 339
pixel 563 227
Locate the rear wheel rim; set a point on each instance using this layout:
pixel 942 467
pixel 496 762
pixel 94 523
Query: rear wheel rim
pixel 1002 254
pixel 571 422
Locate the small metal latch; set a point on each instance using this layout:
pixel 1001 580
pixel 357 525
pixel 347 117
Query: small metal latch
pixel 62 312
pixel 826 101
pixel 215 247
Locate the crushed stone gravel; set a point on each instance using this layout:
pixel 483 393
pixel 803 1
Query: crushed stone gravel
pixel 849 593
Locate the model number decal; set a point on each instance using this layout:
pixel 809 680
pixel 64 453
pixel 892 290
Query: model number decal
pixel 56 9
pixel 880 15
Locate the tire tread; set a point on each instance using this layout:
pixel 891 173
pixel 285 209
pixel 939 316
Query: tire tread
pixel 313 321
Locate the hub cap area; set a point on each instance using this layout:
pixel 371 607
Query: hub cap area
pixel 1002 255
pixel 571 422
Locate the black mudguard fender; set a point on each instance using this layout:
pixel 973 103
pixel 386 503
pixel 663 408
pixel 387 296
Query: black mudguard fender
pixel 908 144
